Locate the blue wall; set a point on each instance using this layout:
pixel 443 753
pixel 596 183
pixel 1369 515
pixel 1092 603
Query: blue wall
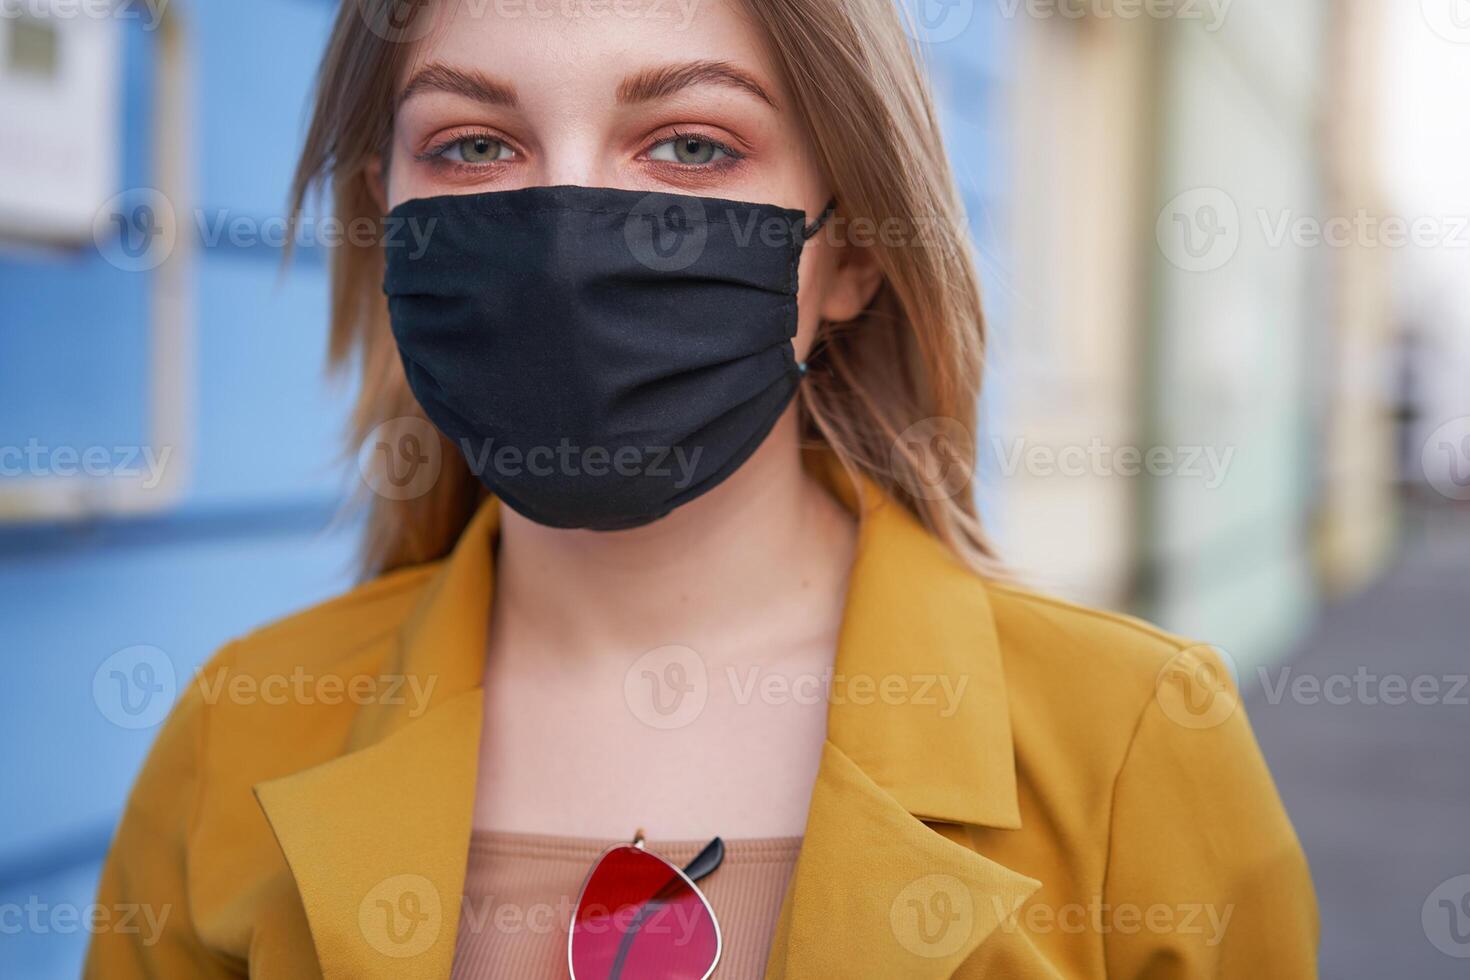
pixel 249 541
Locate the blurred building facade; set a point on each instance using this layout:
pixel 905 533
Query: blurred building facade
pixel 1171 300
pixel 1358 521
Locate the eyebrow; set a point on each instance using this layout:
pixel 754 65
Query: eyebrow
pixel 665 80
pixel 646 86
pixel 469 83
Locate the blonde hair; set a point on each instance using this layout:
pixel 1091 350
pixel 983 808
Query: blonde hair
pixel 915 354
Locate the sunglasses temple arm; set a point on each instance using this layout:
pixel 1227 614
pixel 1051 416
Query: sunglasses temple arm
pixel 644 914
pixel 706 861
pixel 615 972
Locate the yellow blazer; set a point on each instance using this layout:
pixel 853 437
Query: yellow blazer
pixel 1092 804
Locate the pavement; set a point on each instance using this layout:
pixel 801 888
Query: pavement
pixel 1375 767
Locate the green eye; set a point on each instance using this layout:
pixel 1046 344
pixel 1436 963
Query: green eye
pixel 477 149
pixel 689 150
pixel 695 151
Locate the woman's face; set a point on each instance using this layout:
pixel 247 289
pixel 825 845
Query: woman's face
pixel 678 96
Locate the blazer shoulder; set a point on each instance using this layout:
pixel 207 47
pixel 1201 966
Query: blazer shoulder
pixel 278 699
pixel 1025 614
pixel 330 633
pixel 1093 694
pixel 1061 653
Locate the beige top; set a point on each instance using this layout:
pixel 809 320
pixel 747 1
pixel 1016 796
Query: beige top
pixel 520 892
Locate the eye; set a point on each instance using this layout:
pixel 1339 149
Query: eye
pixel 690 151
pixel 475 149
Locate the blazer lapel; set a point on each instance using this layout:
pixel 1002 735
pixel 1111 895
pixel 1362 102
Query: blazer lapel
pixel 376 838
pixel 876 891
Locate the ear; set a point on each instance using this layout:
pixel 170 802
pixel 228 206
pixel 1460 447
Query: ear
pixel 853 284
pixel 376 175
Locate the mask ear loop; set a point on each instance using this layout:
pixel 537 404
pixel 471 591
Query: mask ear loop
pixel 816 226
pixel 806 235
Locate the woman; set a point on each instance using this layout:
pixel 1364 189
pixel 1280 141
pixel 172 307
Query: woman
pixel 684 293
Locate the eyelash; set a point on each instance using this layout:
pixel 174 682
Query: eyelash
pixel 435 153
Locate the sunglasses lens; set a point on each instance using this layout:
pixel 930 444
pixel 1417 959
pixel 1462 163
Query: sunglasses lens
pixel 640 920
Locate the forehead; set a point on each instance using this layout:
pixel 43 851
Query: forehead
pixel 588 42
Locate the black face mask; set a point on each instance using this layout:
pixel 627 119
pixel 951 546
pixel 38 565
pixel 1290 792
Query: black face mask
pixel 599 356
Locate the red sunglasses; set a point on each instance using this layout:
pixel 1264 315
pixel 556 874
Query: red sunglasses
pixel 641 918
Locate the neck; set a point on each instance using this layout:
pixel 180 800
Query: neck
pixel 769 545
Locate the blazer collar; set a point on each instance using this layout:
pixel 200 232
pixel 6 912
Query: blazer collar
pixel 937 748
pixel 377 838
pixel 918 629
pixel 918 730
